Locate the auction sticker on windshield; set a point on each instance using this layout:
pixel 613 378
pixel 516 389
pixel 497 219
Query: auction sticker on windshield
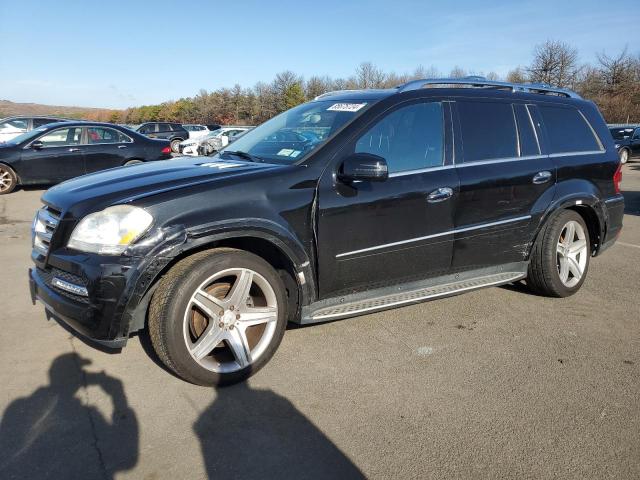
pixel 345 107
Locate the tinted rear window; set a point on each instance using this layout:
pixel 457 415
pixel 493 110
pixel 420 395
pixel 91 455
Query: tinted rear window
pixel 567 130
pixel 488 130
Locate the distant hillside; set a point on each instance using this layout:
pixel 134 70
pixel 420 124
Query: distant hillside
pixel 8 108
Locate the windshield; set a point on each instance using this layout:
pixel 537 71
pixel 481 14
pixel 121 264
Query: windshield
pixel 215 133
pixel 292 135
pixel 26 136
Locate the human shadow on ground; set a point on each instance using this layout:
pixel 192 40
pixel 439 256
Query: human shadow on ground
pixel 257 434
pixel 53 433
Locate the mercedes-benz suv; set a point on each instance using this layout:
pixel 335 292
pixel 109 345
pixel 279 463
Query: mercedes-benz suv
pixel 355 202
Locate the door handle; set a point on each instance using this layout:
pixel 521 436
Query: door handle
pixel 440 194
pixel 542 177
pixel 72 149
pixel 122 146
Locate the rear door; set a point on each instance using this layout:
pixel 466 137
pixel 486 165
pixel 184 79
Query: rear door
pixel 60 158
pixel 374 234
pixel 105 148
pixel 635 143
pixel 506 183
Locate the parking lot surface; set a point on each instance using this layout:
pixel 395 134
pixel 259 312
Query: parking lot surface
pixel 493 383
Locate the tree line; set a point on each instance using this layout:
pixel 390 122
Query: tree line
pixel 612 82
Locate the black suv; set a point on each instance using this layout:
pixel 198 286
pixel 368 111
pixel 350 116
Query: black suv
pixel 355 202
pixel 627 140
pixel 174 132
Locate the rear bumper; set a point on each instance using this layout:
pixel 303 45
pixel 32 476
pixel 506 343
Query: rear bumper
pixel 614 213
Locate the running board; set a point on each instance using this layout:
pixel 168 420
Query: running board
pixel 344 307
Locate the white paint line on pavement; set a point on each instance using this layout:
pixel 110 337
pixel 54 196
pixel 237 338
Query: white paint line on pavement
pixel 627 244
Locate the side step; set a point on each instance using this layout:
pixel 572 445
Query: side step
pixel 402 296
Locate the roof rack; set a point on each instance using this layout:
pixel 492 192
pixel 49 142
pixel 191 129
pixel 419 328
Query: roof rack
pixel 482 82
pixel 333 92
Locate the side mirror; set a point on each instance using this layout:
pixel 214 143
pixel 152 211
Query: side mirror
pixel 37 145
pixel 364 166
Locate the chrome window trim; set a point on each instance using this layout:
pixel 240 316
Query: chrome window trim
pixel 420 170
pixel 435 235
pixel 570 154
pixel 593 132
pixel 500 160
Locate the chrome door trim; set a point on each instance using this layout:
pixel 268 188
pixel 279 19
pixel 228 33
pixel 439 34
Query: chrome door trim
pixel 435 235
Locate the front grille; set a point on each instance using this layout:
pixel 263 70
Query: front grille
pixel 44 225
pixel 48 275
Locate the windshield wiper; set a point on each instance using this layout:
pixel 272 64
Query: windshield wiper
pixel 244 155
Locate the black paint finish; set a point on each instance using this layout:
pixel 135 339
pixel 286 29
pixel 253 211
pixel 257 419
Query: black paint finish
pixel 319 225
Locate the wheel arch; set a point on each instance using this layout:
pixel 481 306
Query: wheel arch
pixel 591 211
pixel 293 267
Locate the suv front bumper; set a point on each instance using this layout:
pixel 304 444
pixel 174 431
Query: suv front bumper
pixel 91 301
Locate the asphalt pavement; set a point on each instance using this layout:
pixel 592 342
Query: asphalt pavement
pixel 497 383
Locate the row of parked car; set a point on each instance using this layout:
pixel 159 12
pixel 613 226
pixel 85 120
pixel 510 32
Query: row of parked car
pixel 627 138
pixel 47 150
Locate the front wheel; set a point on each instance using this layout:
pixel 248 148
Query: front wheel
pixel 8 180
pixel 218 316
pixel 560 256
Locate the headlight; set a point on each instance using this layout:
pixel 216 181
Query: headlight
pixel 110 231
pixel 617 145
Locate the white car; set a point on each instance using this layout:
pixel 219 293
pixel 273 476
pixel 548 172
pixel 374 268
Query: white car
pixel 211 142
pixel 11 127
pixel 196 131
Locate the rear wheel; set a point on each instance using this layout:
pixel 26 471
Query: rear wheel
pixel 133 162
pixel 560 256
pixel 624 156
pixel 8 180
pixel 218 316
pixel 175 145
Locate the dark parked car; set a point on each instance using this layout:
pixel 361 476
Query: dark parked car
pixel 11 127
pixel 401 196
pixel 59 151
pixel 627 141
pixel 174 132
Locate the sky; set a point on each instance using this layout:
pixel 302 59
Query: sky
pixel 116 54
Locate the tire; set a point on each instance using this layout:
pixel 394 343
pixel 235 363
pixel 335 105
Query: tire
pixel 558 267
pixel 133 162
pixel 184 304
pixel 8 179
pixel 624 156
pixel 175 145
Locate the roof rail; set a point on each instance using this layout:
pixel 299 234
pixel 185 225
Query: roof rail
pixel 482 82
pixel 333 92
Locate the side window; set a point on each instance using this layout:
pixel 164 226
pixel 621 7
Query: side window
pixel 409 138
pixel 19 124
pixel 636 134
pixel 567 130
pixel 488 130
pixel 38 122
pixel 103 135
pixel 146 129
pixel 61 137
pixel 163 127
pixel 526 132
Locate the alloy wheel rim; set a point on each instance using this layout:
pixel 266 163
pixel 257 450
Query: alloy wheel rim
pixel 5 180
pixel 571 253
pixel 624 156
pixel 230 320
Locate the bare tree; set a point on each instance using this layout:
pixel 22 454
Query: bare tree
pixel 555 63
pixel 369 76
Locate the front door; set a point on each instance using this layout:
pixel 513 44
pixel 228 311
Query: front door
pixel 59 157
pixel 376 234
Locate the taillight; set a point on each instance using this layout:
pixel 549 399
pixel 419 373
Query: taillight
pixel 617 178
pixel 166 150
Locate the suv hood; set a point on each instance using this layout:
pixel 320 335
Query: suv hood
pixel 125 184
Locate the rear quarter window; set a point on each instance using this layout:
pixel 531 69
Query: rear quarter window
pixel 567 130
pixel 488 130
